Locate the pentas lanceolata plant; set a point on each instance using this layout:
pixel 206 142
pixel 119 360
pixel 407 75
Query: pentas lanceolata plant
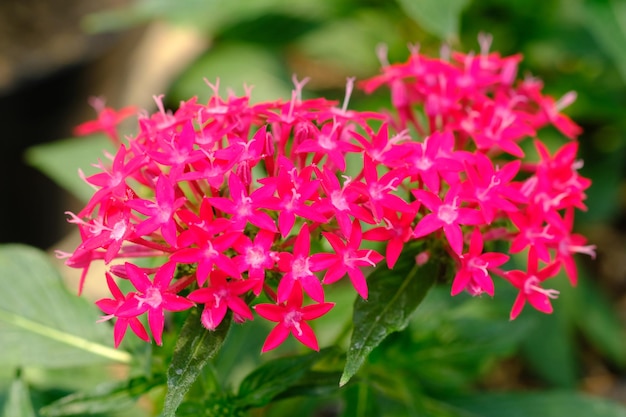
pixel 230 197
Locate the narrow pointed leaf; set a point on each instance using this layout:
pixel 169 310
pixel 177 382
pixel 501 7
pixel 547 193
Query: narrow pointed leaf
pixel 195 347
pixel 107 398
pixel 18 403
pixel 41 322
pixel 393 297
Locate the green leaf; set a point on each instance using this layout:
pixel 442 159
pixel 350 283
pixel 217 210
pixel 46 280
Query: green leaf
pixel 393 296
pixel 235 65
pixel 360 400
pixel 276 376
pixel 606 22
pixel 61 160
pixel 313 384
pixel 539 404
pixel 18 403
pixel 106 398
pixel 195 346
pixel 597 320
pixel 550 347
pixel 439 17
pixel 41 323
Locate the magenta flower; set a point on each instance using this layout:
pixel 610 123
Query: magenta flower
pixel 107 122
pixel 292 318
pixel 396 232
pixel 446 215
pixel 255 257
pixel 244 207
pixel 298 267
pixel 110 306
pixel 159 212
pixel 221 295
pixel 328 142
pixel 208 253
pixel 490 188
pixel 528 283
pixel 347 259
pixel 153 297
pixel 473 274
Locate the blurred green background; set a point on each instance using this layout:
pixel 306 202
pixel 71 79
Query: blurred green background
pixel 128 51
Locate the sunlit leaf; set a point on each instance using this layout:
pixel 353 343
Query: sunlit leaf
pixel 606 22
pixel 61 160
pixel 195 347
pixel 235 65
pixel 393 297
pixel 18 403
pixel 106 398
pixel 439 17
pixel 41 323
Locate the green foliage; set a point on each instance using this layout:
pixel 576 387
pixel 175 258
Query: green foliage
pixel 546 404
pixel 439 17
pixel 393 296
pixel 61 161
pixel 43 324
pixel 106 398
pixel 430 365
pixel 195 347
pixel 275 377
pixel 18 403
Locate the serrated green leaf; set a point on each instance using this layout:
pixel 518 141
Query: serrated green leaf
pixel 18 403
pixel 539 404
pixel 276 376
pixel 41 323
pixel 393 297
pixel 106 398
pixel 194 348
pixel 62 159
pixel 439 17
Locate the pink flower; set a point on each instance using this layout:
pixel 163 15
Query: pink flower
pixel 291 317
pixel 298 267
pixel 255 257
pixel 446 215
pixel 347 259
pixel 110 306
pixel 396 232
pixel 219 296
pixel 473 274
pixel 107 121
pixel 491 188
pixel 159 212
pixel 244 207
pixel 528 283
pixel 208 253
pixel 153 297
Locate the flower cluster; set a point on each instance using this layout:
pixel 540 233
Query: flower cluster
pixel 229 198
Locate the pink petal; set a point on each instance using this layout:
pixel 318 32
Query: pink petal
pixel 275 337
pixel 156 320
pixel 306 336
